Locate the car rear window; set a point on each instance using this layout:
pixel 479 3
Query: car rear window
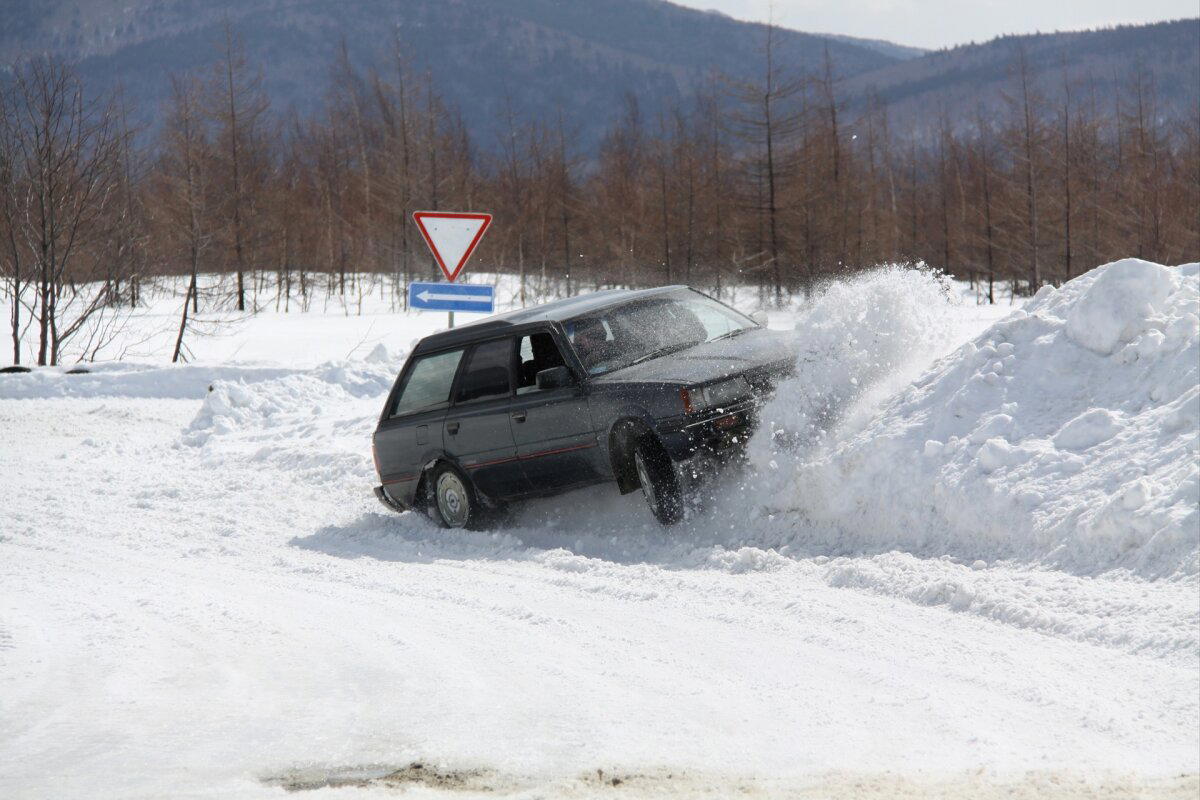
pixel 487 373
pixel 428 383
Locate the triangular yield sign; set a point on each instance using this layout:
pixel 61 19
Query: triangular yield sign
pixel 452 236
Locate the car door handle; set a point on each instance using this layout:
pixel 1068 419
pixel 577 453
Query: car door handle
pixel 518 416
pixel 451 428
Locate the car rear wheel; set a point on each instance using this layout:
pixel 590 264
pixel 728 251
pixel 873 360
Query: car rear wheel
pixel 455 504
pixel 660 486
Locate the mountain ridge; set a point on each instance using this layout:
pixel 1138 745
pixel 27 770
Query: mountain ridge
pixel 537 59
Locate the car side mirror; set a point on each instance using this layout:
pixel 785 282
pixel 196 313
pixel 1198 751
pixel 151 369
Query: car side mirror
pixel 760 317
pixel 554 378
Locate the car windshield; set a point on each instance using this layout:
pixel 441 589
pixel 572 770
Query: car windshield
pixel 617 337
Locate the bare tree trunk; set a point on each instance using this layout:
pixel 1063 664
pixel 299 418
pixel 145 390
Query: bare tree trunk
pixel 985 169
pixel 1035 272
pixel 664 215
pixel 564 202
pixel 183 319
pixel 1067 211
pixel 235 165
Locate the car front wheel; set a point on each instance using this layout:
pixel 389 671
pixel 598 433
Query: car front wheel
pixel 660 486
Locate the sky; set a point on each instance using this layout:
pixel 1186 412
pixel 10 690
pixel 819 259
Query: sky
pixel 943 23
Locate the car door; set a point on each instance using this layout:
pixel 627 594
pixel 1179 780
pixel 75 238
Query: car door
pixel 411 427
pixel 477 429
pixel 553 430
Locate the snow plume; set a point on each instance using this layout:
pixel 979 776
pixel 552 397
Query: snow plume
pixel 1065 434
pixel 859 341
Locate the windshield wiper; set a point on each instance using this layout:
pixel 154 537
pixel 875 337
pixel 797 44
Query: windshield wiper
pixel 662 351
pixel 730 334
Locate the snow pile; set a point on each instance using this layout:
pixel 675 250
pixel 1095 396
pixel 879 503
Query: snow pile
pixel 1065 434
pixel 231 405
pixel 314 424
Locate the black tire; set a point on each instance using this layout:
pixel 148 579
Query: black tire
pixel 452 501
pixel 660 485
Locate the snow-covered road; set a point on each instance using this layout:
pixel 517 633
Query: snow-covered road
pixel 199 597
pixel 181 621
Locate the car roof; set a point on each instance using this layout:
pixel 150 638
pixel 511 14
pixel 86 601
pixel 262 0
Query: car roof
pixel 555 311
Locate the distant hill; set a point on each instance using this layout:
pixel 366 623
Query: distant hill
pixel 580 57
pixel 902 52
pixel 962 79
pixel 540 55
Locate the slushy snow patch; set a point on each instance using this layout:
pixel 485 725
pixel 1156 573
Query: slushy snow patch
pixel 1065 434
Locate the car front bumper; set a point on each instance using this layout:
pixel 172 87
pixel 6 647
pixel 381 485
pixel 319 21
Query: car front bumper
pixel 717 435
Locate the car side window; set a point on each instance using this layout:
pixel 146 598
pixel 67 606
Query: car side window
pixel 536 352
pixel 486 375
pixel 428 383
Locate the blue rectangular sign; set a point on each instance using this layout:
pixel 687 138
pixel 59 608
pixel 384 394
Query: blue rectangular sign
pixel 452 297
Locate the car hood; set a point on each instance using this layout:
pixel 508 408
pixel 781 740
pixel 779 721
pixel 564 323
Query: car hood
pixel 758 349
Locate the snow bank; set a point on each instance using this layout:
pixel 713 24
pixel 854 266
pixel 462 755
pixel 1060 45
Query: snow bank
pixel 235 406
pixel 124 379
pixel 313 426
pixel 1064 434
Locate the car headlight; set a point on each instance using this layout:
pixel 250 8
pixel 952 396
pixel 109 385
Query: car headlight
pixel 715 395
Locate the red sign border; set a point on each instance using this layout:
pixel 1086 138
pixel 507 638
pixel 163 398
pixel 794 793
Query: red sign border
pixel 419 217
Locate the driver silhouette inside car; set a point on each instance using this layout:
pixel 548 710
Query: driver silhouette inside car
pixel 593 346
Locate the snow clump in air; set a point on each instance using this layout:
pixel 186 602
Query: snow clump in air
pixel 1066 434
pixel 859 340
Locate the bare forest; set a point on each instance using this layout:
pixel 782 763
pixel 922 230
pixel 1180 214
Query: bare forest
pixel 773 183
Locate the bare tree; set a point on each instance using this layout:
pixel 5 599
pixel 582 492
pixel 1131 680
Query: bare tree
pixel 237 105
pixel 1030 136
pixel 983 157
pixel 1067 159
pixel 66 154
pixel 564 164
pixel 768 122
pixel 184 175
pixel 12 253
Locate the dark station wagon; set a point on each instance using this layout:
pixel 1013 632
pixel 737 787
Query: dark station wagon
pixel 651 389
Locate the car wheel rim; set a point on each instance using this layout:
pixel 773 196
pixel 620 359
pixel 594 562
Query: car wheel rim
pixel 452 500
pixel 644 478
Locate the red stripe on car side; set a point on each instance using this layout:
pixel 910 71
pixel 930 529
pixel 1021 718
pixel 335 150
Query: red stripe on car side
pixel 529 456
pixel 490 463
pixel 556 452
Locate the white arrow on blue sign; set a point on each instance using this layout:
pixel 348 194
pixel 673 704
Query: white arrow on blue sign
pixel 452 297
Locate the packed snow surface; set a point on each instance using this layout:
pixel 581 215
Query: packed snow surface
pixel 962 562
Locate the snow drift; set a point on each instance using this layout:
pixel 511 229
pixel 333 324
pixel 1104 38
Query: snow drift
pixel 1064 434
